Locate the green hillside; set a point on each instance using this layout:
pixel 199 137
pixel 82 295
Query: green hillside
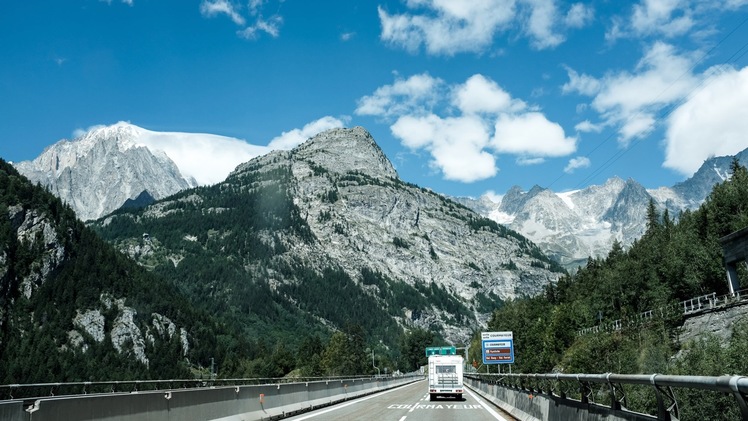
pixel 672 262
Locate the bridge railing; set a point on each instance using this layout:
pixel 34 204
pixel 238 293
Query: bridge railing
pixel 686 307
pixel 607 391
pixel 216 399
pixel 38 390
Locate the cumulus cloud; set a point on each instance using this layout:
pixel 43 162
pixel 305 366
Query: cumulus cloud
pixel 127 2
pixel 712 122
pixel 531 134
pixel 456 144
pixel 447 27
pixel 482 95
pixel 630 100
pixel 292 138
pixel 583 84
pixel 666 17
pixel 416 94
pixel 575 163
pixel 465 126
pixel 587 126
pixel 541 24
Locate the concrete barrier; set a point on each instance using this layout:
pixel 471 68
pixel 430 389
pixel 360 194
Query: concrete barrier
pixel 12 411
pixel 224 403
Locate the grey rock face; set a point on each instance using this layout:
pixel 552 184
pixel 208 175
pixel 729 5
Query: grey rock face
pixel 586 222
pixel 97 173
pixel 31 227
pixel 125 334
pixel 363 216
pixel 91 322
pixel 718 323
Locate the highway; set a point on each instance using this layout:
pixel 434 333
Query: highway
pixel 409 403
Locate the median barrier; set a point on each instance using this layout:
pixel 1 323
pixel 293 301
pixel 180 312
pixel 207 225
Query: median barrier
pixel 223 403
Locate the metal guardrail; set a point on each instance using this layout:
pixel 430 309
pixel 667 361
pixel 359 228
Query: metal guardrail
pixel 39 390
pixel 215 399
pixel 686 307
pixel 612 386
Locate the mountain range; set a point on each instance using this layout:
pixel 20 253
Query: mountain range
pixel 122 165
pixel 101 170
pixel 328 228
pixel 572 226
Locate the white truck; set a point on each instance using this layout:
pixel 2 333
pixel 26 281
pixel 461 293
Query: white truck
pixel 445 376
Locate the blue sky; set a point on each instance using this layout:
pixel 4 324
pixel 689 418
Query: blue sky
pixel 464 96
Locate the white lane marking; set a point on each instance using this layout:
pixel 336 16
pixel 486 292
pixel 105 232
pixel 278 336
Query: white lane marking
pixel 403 418
pixel 486 406
pixel 336 407
pixel 416 404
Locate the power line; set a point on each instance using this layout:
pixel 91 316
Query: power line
pixel 665 111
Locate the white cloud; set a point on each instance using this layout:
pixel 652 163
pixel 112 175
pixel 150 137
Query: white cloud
pixel 531 134
pixel 526 161
pixel 579 15
pixel 578 162
pixel 587 126
pixel 666 17
pixel 211 8
pixel 540 24
pixel 127 2
pixel 465 125
pixel 456 144
pixel 207 158
pixel 257 23
pixel 292 138
pixel 583 84
pixel 347 36
pixel 630 100
pixel 712 122
pixel 493 196
pixel 255 6
pixel 270 27
pixel 481 95
pixel 416 94
pixel 80 132
pixel 449 26
pixel 669 18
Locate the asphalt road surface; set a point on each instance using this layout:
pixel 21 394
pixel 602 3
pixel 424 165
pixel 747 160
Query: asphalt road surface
pixel 409 403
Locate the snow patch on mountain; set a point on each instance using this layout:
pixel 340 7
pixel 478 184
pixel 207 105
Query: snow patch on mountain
pixel 574 225
pixel 102 169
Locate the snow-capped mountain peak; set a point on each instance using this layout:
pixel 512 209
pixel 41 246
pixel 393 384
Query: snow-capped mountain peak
pixel 574 225
pixel 104 167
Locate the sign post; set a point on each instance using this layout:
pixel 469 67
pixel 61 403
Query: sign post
pixel 497 347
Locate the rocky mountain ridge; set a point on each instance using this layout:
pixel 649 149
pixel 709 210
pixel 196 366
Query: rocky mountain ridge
pixel 108 166
pixel 100 171
pixel 572 226
pixel 111 167
pixel 334 205
pixel 67 298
